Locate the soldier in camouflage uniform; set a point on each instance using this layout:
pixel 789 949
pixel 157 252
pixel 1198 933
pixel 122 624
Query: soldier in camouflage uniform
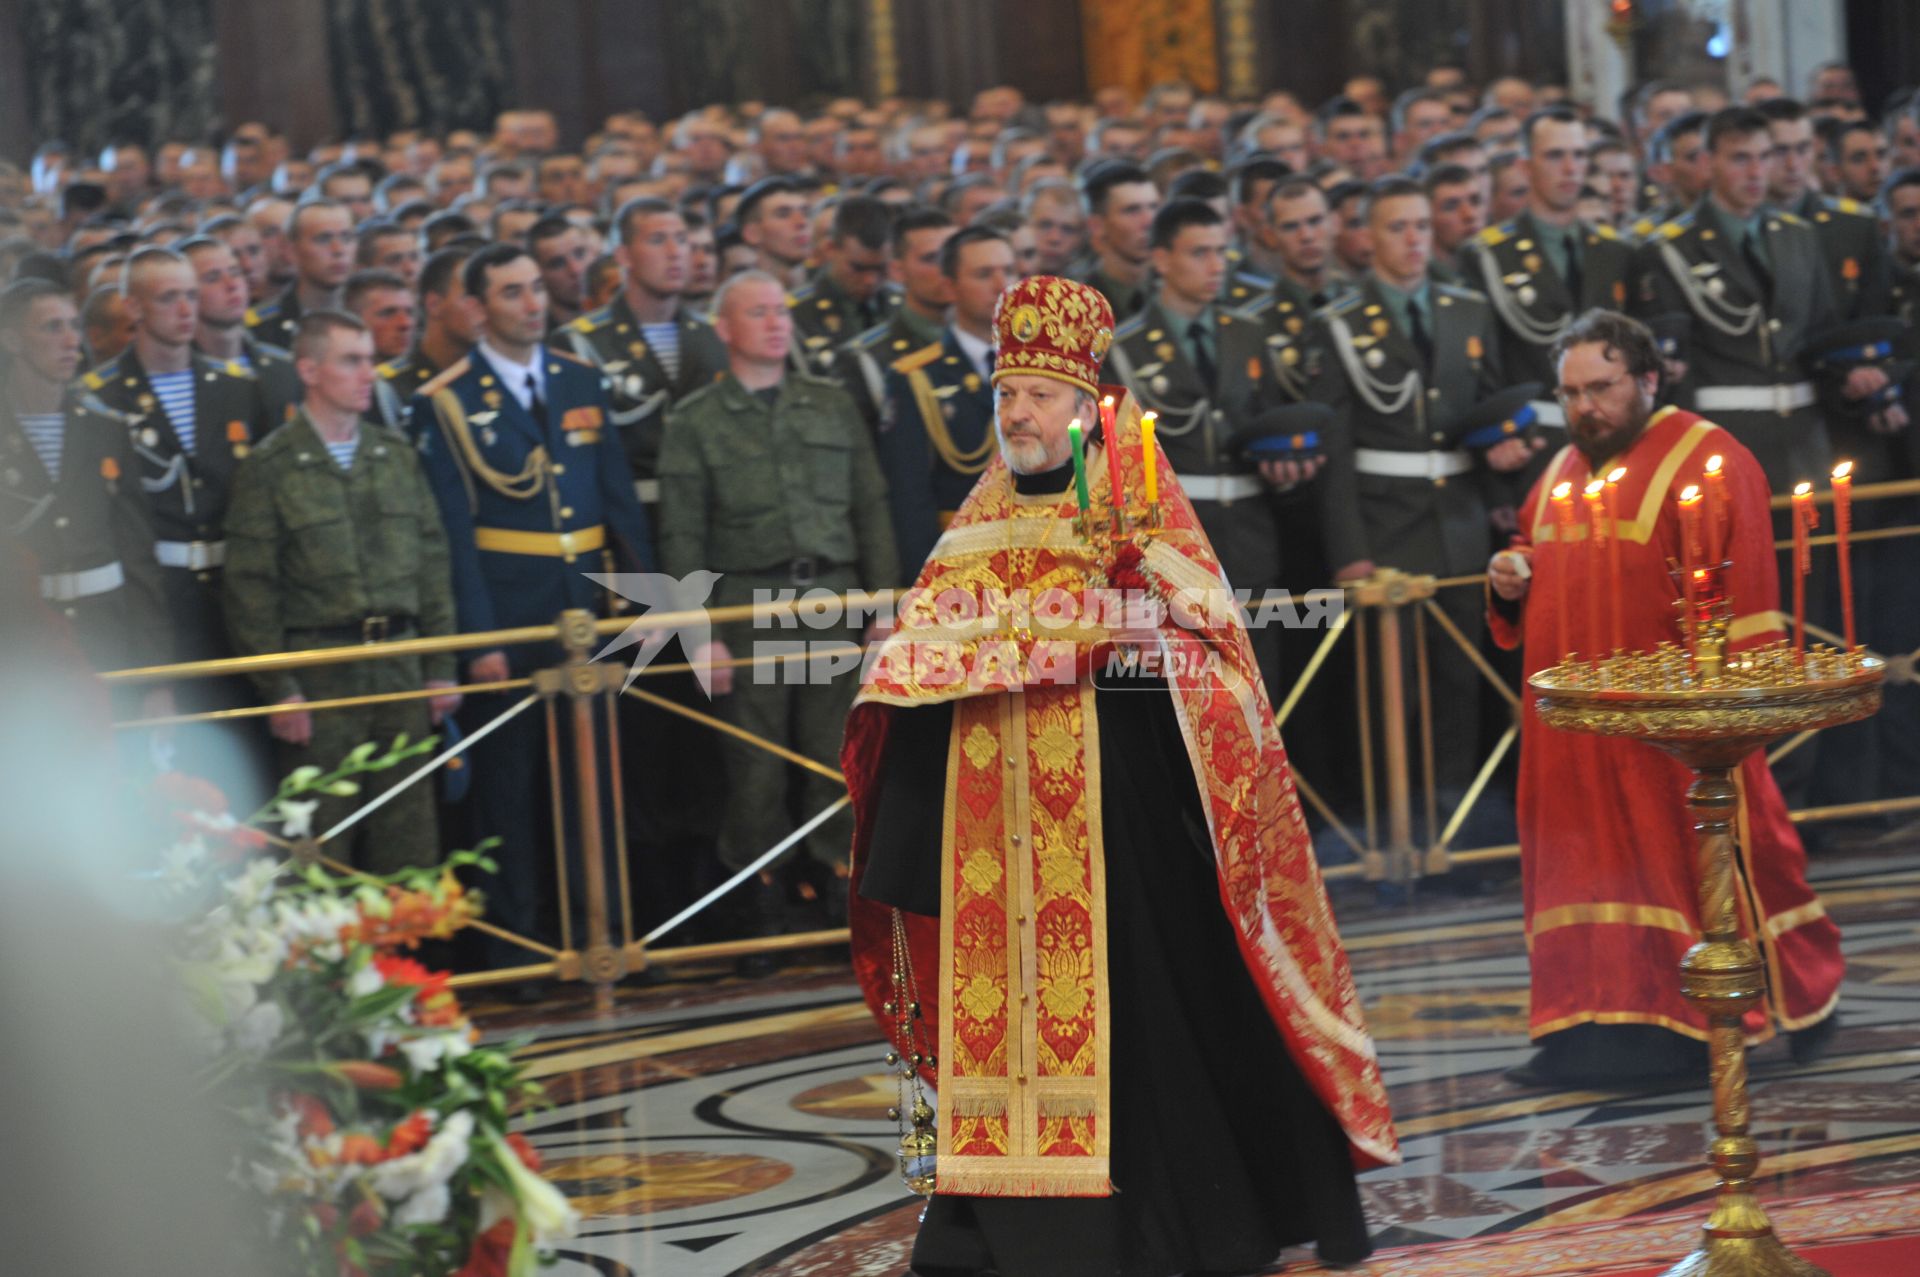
pixel 333 539
pixel 769 478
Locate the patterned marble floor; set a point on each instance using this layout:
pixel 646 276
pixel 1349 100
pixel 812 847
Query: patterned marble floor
pixel 716 1127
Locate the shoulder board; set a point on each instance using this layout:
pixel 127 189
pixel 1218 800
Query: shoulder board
pixel 1605 231
pixel 570 357
pixel 871 338
pixel 392 368
pixel 1846 205
pixel 1343 303
pixel 589 321
pixel 918 359
pixel 234 368
pixel 1671 230
pixel 94 404
pixel 271 351
pixel 818 383
pixel 448 375
pixel 793 299
pixel 1496 235
pixel 1644 226
pixel 94 380
pixel 1459 292
pixel 1130 325
pixel 1791 219
pixel 257 314
pixel 276 440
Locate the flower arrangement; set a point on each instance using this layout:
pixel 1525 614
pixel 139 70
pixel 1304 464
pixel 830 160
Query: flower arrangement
pixel 368 1123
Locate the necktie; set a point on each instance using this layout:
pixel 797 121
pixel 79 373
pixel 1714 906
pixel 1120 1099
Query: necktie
pixel 536 407
pixel 1202 358
pixel 1422 339
pixel 1574 278
pixel 1750 249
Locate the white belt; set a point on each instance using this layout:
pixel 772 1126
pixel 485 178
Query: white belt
pixel 1221 487
pixel 648 490
pixel 1780 399
pixel 1548 412
pixel 65 587
pixel 194 556
pixel 1411 465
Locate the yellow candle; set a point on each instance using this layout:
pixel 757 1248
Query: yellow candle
pixel 1147 457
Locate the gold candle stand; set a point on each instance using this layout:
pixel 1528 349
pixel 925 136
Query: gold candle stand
pixel 1711 711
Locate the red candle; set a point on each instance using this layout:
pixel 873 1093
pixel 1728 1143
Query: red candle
pixel 1596 495
pixel 1804 519
pixel 1612 512
pixel 1563 520
pixel 1117 492
pixel 1843 531
pixel 1718 511
pixel 1690 554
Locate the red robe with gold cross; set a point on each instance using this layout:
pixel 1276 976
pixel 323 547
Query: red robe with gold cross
pixel 1014 969
pixel 1607 846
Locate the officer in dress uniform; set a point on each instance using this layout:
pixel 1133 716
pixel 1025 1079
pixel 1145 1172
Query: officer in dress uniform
pixel 654 352
pixel 936 433
pixel 447 330
pixel 1754 285
pixel 333 540
pixel 916 323
pixel 1204 369
pixel 67 488
pixel 534 492
pixel 1400 361
pixel 846 296
pixel 651 348
pixel 1545 267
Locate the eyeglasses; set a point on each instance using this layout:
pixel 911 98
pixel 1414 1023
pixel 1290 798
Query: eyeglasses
pixel 1571 395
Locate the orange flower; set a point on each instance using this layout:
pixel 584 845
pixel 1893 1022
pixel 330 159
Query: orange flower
pixel 367 1075
pixel 357 1149
pixel 435 1005
pixel 528 1154
pixel 490 1253
pixel 409 1136
pixel 315 1121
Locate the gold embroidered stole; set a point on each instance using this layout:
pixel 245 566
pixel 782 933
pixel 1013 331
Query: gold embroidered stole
pixel 1025 1017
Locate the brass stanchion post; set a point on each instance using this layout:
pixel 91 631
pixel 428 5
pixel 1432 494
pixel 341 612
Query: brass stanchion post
pixel 602 963
pixel 1390 592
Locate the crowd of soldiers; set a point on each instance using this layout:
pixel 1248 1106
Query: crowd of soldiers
pixel 257 401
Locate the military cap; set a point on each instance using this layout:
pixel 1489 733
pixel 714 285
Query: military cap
pixel 1290 432
pixel 1494 420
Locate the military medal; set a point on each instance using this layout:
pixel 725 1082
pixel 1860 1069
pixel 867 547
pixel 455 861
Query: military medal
pixel 1253 368
pixel 1619 292
pixel 1474 349
pixel 237 436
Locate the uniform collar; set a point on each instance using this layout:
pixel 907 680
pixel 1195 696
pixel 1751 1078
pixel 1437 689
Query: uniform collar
pixel 978 352
pixel 514 376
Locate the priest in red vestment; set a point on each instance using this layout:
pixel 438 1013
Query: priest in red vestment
pixel 1151 1058
pixel 1607 850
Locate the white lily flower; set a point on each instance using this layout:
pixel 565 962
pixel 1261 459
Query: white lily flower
pixel 255 1032
pixel 364 981
pixel 543 1210
pixel 296 817
pixel 428 1206
pixel 445 1153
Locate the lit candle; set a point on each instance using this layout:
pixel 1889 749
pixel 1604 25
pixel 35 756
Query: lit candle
pixel 1613 553
pixel 1717 511
pixel 1803 522
pixel 1690 554
pixel 1079 463
pixel 1563 518
pixel 1843 531
pixel 1596 495
pixel 1116 487
pixel 1150 475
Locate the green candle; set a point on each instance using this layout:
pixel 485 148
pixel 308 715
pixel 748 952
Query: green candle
pixel 1079 463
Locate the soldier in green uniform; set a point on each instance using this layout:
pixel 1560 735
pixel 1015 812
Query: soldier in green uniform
pixel 769 478
pixel 1400 361
pixel 1849 233
pixel 67 493
pixel 845 297
pixel 1677 158
pixel 320 240
pixel 333 539
pixel 222 334
pixel 936 431
pixel 1302 226
pixel 1255 257
pixel 448 329
pixel 916 323
pixel 1753 284
pixel 1204 369
pixel 1120 200
pixel 1545 267
pixel 651 349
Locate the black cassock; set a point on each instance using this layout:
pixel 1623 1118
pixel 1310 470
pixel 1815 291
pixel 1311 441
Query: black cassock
pixel 1221 1153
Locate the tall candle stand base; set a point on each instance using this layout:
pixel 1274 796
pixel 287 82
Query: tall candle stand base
pixel 1711 711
